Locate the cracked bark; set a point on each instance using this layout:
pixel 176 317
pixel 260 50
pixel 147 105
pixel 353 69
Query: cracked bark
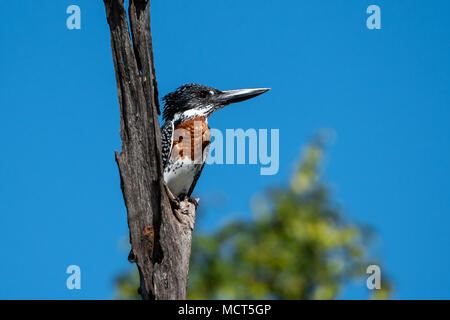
pixel 160 236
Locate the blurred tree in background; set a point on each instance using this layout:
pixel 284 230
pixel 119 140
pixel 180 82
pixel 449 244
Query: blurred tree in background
pixel 297 246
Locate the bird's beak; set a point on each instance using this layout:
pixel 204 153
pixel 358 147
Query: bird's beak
pixel 233 96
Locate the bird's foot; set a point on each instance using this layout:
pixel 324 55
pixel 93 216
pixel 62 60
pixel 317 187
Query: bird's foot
pixel 184 197
pixel 194 201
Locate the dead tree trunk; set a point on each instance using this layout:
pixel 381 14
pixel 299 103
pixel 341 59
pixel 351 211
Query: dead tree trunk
pixel 160 236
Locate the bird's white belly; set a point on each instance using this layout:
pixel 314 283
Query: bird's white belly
pixel 179 175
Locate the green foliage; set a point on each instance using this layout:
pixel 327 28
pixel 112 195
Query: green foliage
pixel 297 246
pixel 127 285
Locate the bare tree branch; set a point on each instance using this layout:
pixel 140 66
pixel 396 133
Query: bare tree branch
pixel 160 236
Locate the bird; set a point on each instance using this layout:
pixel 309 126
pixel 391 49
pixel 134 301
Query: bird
pixel 185 134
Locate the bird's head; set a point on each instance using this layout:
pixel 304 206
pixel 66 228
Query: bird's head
pixel 192 100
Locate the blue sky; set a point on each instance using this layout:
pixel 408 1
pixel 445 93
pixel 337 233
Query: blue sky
pixel 384 92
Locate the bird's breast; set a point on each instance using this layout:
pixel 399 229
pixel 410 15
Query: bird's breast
pixel 191 140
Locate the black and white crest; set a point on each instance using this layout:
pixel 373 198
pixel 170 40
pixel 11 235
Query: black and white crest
pixel 188 96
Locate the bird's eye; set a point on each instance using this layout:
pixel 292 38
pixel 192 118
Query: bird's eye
pixel 204 94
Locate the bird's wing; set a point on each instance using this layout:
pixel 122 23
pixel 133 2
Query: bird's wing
pixel 206 137
pixel 194 182
pixel 166 141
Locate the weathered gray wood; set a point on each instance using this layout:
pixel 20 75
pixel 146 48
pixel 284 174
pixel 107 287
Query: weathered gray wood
pixel 160 236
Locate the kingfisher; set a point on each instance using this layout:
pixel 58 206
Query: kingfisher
pixel 186 135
